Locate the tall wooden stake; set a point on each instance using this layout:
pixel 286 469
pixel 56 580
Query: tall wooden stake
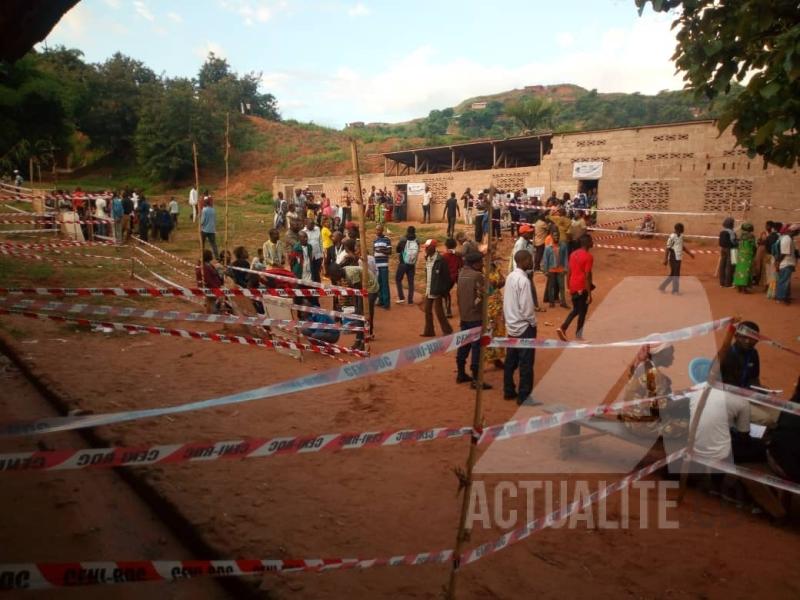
pixel 363 221
pixel 227 152
pixel 477 414
pixel 199 210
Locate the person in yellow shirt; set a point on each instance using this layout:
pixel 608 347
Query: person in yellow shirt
pixel 325 235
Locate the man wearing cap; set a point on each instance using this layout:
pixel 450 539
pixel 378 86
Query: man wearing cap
pixel 437 284
pixel 470 308
pixel 520 318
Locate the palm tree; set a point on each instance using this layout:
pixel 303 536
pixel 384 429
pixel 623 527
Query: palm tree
pixel 532 112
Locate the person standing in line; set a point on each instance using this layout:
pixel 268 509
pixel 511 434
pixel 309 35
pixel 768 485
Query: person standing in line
pixel 174 210
pixel 580 287
pixel 520 320
pixel 524 243
pixel 466 245
pixel 347 206
pixel 426 205
pixel 540 231
pixel 554 264
pixel 314 235
pixel 480 216
pixel 381 249
pixel 469 201
pixel 407 253
pixel 470 295
pixel 127 216
pixel 786 263
pixel 400 206
pixel 273 250
pixel 674 255
pixel 144 216
pixel 193 203
pixel 451 210
pixel 208 225
pixel 100 215
pixel 301 257
pixel 437 285
pixel 727 243
pixel 117 214
pixel 455 262
pixel 332 253
pixel 743 269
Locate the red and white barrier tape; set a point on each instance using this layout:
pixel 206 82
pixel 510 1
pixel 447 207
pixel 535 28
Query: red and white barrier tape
pixel 17 231
pixel 520 533
pixel 645 249
pixel 30 256
pixel 677 335
pixel 745 473
pixel 244 340
pixel 293 280
pixel 138 456
pixel 166 315
pixel 650 233
pixel 26 222
pixel 376 365
pixel 44 246
pixel 174 257
pixel 163 262
pixel 760 398
pixel 182 291
pixel 741 329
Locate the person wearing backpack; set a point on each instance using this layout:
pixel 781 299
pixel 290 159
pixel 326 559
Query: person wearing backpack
pixel 407 251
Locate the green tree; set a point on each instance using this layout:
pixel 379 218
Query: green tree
pixel 723 43
pixel 532 113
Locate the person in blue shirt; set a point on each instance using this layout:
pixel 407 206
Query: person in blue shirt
pixel 208 226
pixel 117 212
pixel 330 336
pixel 382 248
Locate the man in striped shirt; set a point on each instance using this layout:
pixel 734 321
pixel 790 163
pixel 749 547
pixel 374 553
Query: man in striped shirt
pixel 381 249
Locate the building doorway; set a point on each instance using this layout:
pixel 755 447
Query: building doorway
pixel 401 200
pixel 585 186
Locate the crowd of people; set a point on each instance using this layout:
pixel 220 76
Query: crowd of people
pixel 766 262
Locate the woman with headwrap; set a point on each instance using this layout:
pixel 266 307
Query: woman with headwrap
pixel 727 243
pixel 744 260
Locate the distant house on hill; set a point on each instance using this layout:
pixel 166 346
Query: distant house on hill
pixel 478 105
pixel 356 124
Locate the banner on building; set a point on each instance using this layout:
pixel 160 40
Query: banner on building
pixel 415 189
pixel 587 170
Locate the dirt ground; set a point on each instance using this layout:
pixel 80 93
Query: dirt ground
pixel 385 502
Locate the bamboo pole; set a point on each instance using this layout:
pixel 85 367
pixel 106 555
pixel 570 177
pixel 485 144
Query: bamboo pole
pixel 363 237
pixel 477 415
pixel 713 375
pixel 199 210
pixel 227 152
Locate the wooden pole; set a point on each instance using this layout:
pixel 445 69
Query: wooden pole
pixel 363 221
pixel 199 210
pixel 227 152
pixel 477 414
pixel 713 375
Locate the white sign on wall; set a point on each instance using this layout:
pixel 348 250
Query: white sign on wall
pixel 415 189
pixel 587 170
pixel 535 191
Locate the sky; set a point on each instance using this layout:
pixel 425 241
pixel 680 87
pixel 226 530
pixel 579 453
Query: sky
pixel 335 62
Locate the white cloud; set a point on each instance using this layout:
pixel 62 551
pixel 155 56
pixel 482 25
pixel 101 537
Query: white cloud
pixel 565 39
pixel 359 10
pixel 175 17
pixel 636 59
pixel 254 11
pixel 113 3
pixel 143 10
pixel 216 48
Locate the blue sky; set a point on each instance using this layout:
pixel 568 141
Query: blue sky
pixel 334 62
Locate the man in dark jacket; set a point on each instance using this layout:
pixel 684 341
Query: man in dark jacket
pixel 470 308
pixel 437 285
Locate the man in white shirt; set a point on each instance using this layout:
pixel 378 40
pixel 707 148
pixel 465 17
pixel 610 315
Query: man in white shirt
pixel 786 264
pixel 426 205
pixel 520 318
pixel 100 215
pixel 193 203
pixel 315 241
pixel 174 210
pixel 723 411
pixel 524 243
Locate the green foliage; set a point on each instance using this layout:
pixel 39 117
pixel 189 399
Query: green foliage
pixel 532 113
pixel 721 44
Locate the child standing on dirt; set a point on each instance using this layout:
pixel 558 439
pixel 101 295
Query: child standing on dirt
pixel 674 255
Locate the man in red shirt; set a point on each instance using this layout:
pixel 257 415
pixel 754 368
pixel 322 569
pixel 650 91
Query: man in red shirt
pixel 580 286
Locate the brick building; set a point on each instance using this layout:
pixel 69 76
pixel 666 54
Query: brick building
pixel 684 167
